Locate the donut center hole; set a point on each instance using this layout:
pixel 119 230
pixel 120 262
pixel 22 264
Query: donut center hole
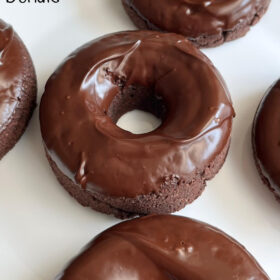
pixel 137 109
pixel 138 122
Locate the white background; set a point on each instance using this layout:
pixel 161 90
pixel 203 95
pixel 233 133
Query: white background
pixel 41 227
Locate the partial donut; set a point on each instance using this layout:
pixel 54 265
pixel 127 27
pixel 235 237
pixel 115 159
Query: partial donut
pixel 115 171
pixel 164 247
pixel 266 139
pixel 205 23
pixel 18 88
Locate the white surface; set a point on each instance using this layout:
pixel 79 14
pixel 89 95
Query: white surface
pixel 138 122
pixel 41 227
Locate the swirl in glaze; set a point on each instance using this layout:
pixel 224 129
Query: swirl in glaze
pixel 194 18
pixel 164 247
pixel 84 142
pixel 266 138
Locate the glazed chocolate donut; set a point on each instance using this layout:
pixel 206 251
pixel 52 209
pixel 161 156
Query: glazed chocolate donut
pixel 205 23
pixel 164 247
pixel 113 170
pixel 266 139
pixel 17 88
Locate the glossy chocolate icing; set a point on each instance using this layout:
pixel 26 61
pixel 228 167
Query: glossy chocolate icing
pixel 13 57
pixel 164 247
pixel 84 142
pixel 194 18
pixel 266 137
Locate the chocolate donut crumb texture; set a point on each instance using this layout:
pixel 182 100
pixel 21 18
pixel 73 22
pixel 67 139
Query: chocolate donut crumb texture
pixel 113 170
pixel 205 23
pixel 266 139
pixel 164 247
pixel 18 88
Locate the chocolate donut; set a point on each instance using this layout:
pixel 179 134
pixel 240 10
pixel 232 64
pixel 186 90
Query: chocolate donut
pixel 17 88
pixel 205 23
pixel 266 139
pixel 164 247
pixel 113 170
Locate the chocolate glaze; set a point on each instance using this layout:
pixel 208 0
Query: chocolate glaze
pixel 84 142
pixel 194 18
pixel 266 137
pixel 13 65
pixel 164 247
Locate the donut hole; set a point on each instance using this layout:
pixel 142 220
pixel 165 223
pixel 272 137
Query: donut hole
pixel 138 122
pixel 137 109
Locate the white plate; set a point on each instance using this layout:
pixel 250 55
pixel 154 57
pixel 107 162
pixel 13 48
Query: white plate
pixel 42 227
